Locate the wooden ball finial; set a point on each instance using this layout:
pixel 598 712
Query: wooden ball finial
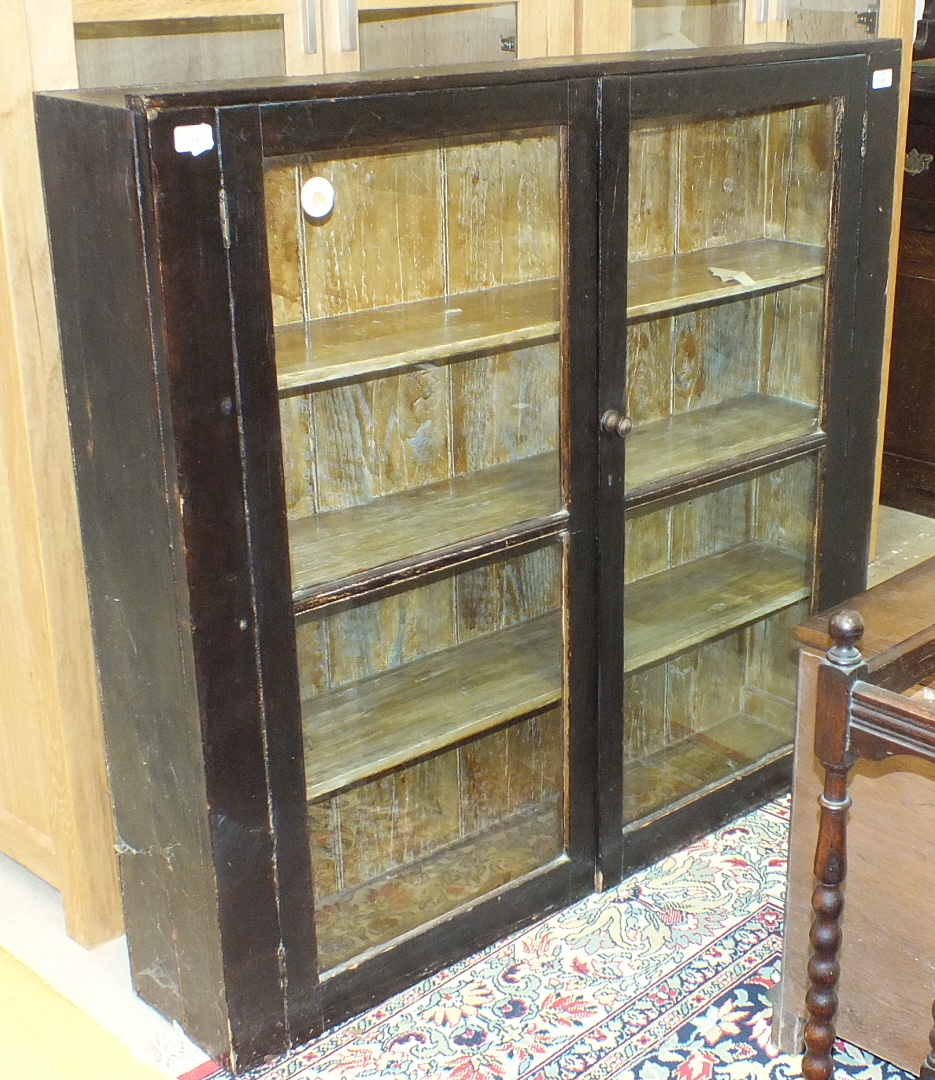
pixel 846 629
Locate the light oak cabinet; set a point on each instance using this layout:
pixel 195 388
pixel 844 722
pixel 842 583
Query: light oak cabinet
pixel 455 453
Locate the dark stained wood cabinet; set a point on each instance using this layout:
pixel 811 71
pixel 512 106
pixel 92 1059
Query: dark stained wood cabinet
pixel 908 476
pixel 455 453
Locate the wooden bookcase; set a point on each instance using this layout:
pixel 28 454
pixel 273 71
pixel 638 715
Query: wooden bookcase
pixel 384 601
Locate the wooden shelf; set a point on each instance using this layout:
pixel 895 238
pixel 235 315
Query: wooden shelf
pixel 684 770
pixel 676 282
pixel 337 544
pixel 396 716
pixel 383 340
pixel 702 440
pixel 406 897
pixel 670 612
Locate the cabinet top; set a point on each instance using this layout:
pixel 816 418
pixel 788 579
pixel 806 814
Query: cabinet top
pixel 357 84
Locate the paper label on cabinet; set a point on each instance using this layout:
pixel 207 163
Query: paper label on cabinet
pixel 193 139
pixel 881 79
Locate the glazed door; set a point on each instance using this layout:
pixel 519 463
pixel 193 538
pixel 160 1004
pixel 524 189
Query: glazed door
pixel 424 253
pixel 738 281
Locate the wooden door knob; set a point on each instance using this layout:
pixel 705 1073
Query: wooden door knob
pixel 615 423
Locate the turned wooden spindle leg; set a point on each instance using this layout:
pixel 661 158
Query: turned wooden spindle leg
pixel 927 1072
pixel 825 937
pixel 836 676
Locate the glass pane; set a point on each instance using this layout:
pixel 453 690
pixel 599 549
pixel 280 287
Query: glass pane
pixel 414 37
pixel 434 741
pixel 728 242
pixel 686 24
pixel 816 21
pixel 715 584
pixel 415 292
pixel 417 346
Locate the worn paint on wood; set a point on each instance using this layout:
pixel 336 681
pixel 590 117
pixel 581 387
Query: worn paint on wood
pixel 281 191
pixel 384 340
pixel 502 210
pixel 382 244
pixel 709 437
pixel 505 407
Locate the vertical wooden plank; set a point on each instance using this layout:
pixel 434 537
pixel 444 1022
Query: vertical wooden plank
pixel 368 815
pixel 793 343
pixel 428 806
pixel 532 584
pixel 602 27
pixel 298 462
pixel 650 348
pixel 703 685
pixel 713 522
pixel 777 163
pixel 811 174
pixel 324 844
pixel 689 377
pixel 409 437
pixel 503 210
pixel 381 436
pixel 785 507
pixel 345 469
pixel 647 543
pixel 731 343
pixel 714 354
pixel 485 770
pixel 772 656
pixel 311 638
pixel 281 191
pixel 508 591
pixel 645 716
pixel 504 407
pixel 382 243
pixel 535 752
pixel 387 633
pixel 721 198
pixel 653 191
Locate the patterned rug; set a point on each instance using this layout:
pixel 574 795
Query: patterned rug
pixel 665 977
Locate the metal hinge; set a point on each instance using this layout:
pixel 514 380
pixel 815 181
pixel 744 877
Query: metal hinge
pixel 869 20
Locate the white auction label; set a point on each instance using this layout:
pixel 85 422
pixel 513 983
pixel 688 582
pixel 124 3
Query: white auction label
pixel 194 139
pixel 317 197
pixel 881 78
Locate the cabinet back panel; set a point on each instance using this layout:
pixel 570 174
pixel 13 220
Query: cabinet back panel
pixel 772 344
pixel 712 711
pixel 348 445
pixel 434 219
pixel 383 825
pixel 702 713
pixel 776 506
pixel 707 183
pixel 363 638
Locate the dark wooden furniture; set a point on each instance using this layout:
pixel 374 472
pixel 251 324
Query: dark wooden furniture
pixel 353 488
pixel 861 713
pixel 886 979
pixel 908 476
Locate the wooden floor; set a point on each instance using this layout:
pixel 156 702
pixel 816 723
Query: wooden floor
pixel 42 1035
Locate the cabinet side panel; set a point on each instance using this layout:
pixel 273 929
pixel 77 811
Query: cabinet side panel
pixel 136 586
